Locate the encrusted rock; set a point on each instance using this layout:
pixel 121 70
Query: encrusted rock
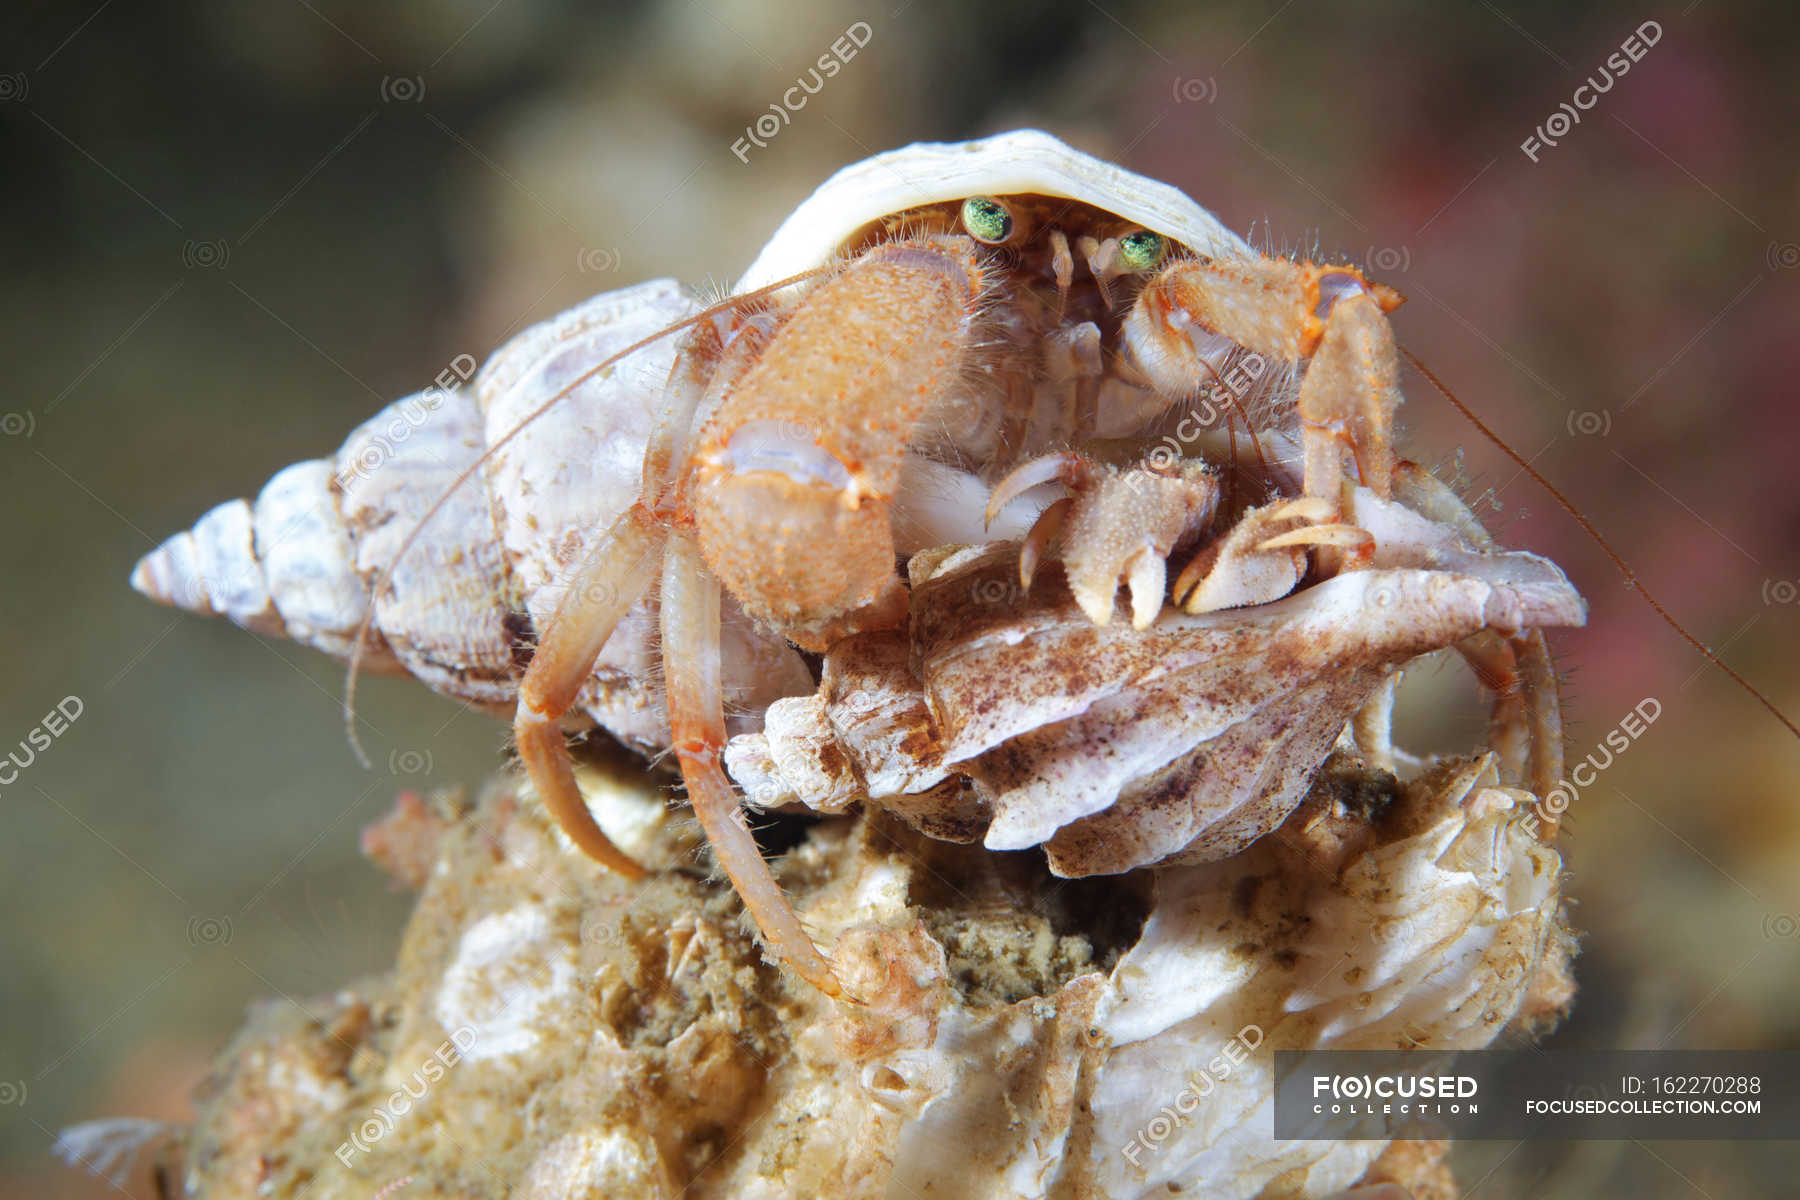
pixel 552 1031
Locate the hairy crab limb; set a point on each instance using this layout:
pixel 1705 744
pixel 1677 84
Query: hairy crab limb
pixel 794 472
pixel 606 584
pixel 1250 565
pixel 780 499
pixel 1327 321
pixel 616 572
pixel 1525 728
pixel 1117 525
pixel 1430 525
pixel 690 605
pixel 1351 389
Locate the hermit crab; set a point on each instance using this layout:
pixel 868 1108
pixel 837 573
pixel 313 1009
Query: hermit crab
pixel 951 410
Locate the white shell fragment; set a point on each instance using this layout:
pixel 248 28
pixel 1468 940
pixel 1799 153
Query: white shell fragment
pixel 1425 939
pixel 506 973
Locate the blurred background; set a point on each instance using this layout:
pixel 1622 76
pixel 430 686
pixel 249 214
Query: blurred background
pixel 234 231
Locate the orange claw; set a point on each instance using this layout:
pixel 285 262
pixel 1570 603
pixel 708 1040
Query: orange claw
pixel 546 760
pixel 1043 531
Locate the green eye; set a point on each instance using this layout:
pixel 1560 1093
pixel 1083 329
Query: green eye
pixel 987 220
pixel 1141 250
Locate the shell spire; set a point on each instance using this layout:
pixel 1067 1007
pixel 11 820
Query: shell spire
pixel 212 570
pixel 280 565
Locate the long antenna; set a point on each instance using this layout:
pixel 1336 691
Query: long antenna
pixel 1631 578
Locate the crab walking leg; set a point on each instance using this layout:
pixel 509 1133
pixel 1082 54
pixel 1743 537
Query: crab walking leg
pixel 1329 318
pixel 1044 530
pixel 1347 401
pixel 1494 662
pixel 615 573
pixel 1543 714
pixel 690 623
pixel 1525 727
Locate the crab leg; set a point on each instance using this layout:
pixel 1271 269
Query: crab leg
pixel 1358 545
pixel 615 573
pixel 1062 263
pixel 1291 312
pixel 1525 728
pixel 1118 526
pixel 1044 530
pixel 690 620
pixel 1248 565
pixel 1543 712
pixel 1348 398
pixel 1067 468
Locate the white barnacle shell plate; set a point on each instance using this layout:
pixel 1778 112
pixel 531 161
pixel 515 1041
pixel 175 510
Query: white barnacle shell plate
pixel 1023 161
